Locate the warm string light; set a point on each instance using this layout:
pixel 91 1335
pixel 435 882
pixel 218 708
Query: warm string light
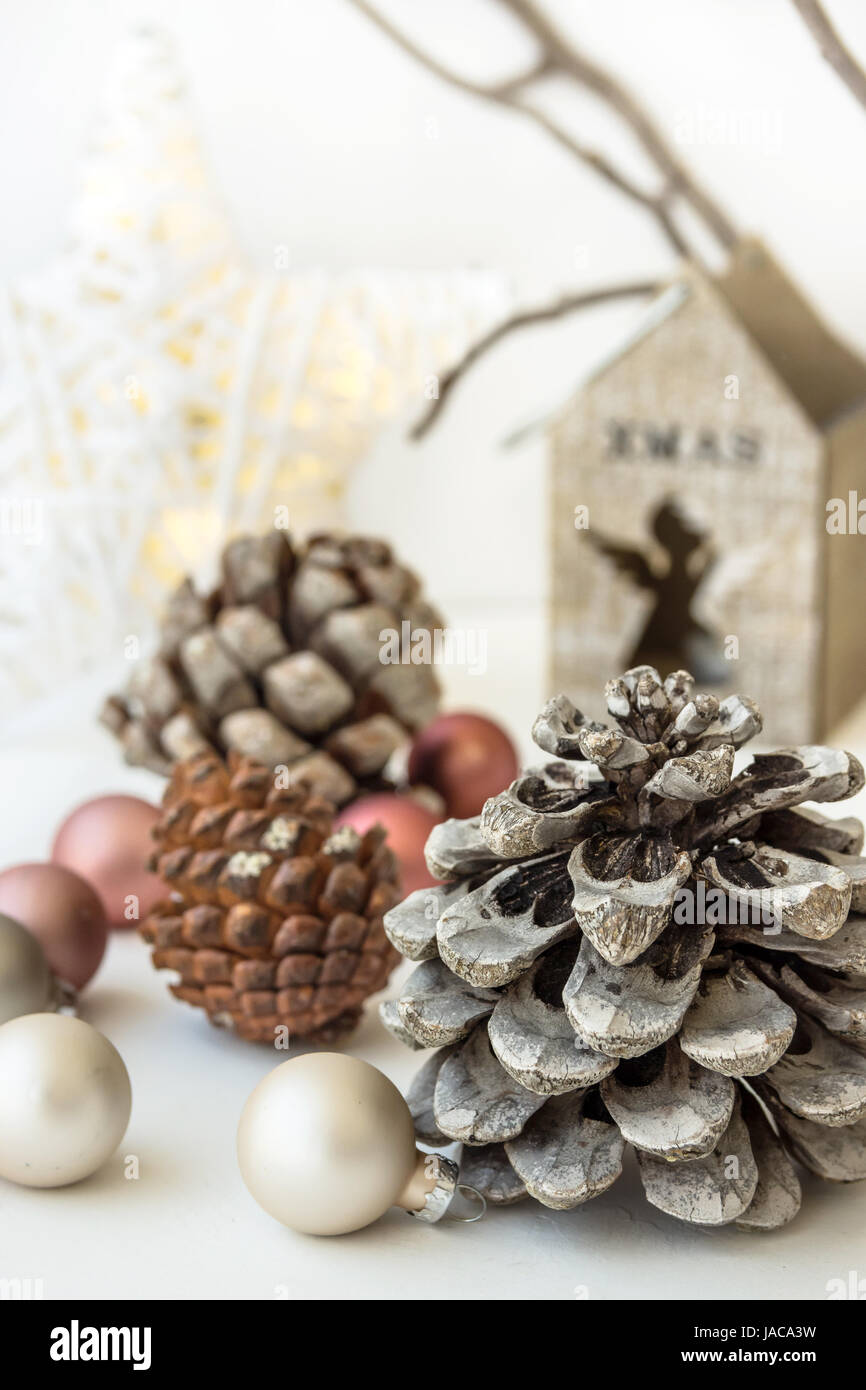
pixel 159 394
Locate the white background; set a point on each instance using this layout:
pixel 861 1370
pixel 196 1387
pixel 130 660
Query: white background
pixel 318 132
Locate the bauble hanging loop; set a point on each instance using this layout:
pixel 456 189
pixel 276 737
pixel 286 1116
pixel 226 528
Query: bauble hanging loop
pixel 326 1146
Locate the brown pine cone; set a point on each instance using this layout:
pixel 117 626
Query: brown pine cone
pixel 275 917
pixel 281 663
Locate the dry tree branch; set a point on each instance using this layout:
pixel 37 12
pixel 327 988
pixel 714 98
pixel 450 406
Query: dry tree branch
pixel 832 47
pixel 508 94
pixel 558 56
pixel 562 55
pixel 544 313
pixel 657 206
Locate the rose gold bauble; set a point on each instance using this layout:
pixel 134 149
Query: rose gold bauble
pixel 465 758
pixel 63 912
pixel 407 824
pixel 107 841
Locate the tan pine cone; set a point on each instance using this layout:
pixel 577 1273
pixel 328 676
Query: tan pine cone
pixel 274 917
pixel 281 663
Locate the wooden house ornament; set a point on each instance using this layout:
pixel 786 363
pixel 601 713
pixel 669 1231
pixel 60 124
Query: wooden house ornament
pixel 696 487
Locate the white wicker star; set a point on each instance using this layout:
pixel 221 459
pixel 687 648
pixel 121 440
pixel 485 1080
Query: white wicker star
pixel 156 393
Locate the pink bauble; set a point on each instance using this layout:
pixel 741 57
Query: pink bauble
pixel 107 841
pixel 63 911
pixel 407 825
pixel 465 758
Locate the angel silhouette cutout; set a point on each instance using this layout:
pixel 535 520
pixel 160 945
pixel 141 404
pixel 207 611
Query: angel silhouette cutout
pixel 672 637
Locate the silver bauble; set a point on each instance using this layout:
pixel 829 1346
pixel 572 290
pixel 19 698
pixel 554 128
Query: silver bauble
pixel 26 983
pixel 326 1145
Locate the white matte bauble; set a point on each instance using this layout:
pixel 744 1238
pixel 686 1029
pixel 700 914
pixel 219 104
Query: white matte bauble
pixel 26 983
pixel 65 1100
pixel 326 1145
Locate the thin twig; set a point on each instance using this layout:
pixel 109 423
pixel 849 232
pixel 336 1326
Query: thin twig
pixel 558 56
pixel 541 314
pixel 656 205
pixel 561 54
pixel 837 54
pixel 508 94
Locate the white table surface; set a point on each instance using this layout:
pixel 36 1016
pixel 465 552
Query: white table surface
pixel 187 1228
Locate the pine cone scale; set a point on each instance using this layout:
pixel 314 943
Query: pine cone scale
pixel 282 664
pixel 661 941
pixel 278 922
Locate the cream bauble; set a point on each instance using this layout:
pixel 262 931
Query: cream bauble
pixel 65 1100
pixel 26 983
pixel 326 1145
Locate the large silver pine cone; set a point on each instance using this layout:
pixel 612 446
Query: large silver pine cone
pixel 635 945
